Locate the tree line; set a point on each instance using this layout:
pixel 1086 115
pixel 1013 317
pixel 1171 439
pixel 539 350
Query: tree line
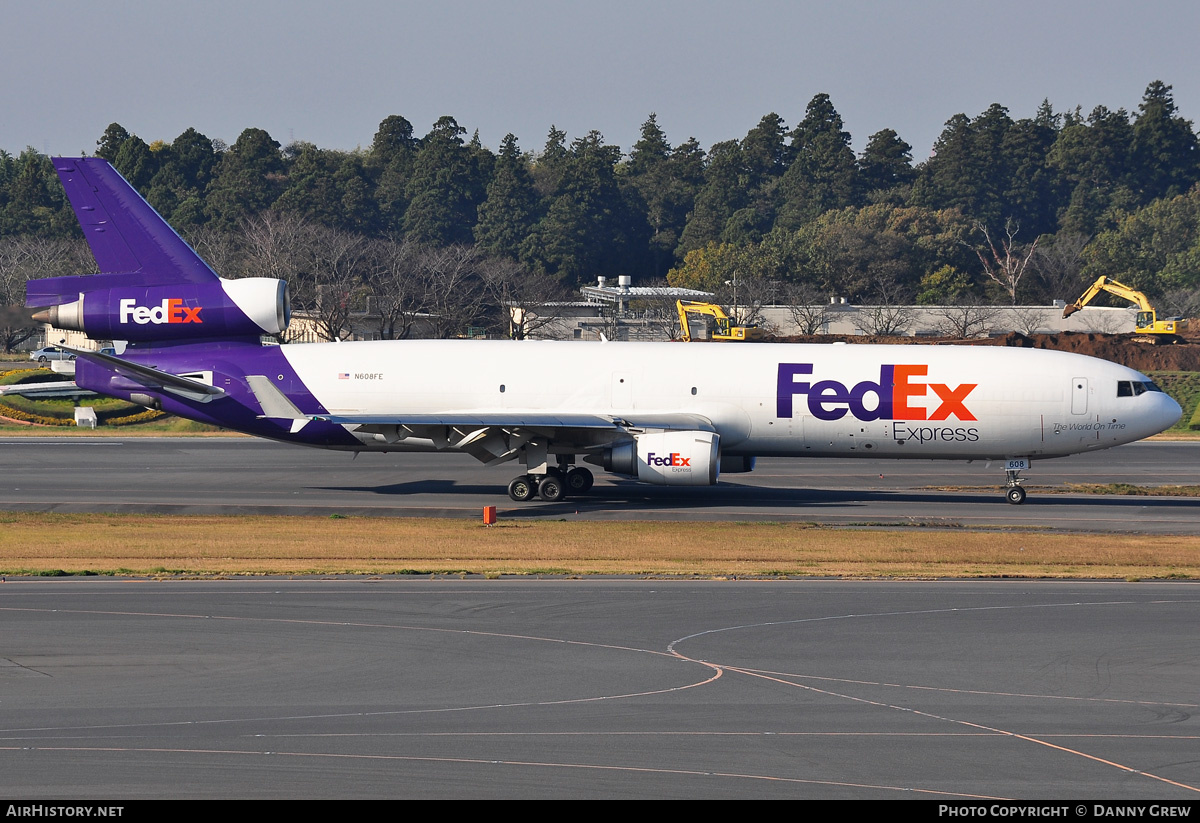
pixel 1004 210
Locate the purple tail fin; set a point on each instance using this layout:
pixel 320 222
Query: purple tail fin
pixel 126 235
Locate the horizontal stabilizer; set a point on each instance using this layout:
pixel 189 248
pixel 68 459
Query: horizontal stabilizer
pixel 46 390
pixel 151 377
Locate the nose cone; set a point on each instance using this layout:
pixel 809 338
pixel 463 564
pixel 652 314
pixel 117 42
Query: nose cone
pixel 1166 412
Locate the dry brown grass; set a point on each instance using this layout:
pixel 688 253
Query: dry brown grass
pixel 139 544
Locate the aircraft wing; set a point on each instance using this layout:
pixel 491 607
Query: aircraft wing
pixel 527 419
pixel 494 437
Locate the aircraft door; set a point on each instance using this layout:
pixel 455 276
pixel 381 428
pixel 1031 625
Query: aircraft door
pixel 1079 395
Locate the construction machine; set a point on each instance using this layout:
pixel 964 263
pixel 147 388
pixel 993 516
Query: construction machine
pixel 725 329
pixel 1147 321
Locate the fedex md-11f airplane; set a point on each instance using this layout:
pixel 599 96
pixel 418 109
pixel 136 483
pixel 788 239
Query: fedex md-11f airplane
pixel 665 413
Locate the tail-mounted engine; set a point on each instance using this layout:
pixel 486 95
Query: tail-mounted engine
pixel 682 458
pixel 185 311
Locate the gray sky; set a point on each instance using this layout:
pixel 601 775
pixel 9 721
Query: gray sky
pixel 329 72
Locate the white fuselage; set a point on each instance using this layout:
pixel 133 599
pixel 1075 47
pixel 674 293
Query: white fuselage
pixel 948 402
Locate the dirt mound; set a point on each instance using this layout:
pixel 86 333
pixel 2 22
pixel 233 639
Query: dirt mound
pixel 1125 349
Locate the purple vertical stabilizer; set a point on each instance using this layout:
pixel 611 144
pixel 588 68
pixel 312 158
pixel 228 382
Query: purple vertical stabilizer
pixel 126 235
pixel 153 287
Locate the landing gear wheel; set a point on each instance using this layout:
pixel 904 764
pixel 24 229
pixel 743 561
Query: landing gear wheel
pixel 579 480
pixel 521 488
pixel 1015 495
pixel 552 488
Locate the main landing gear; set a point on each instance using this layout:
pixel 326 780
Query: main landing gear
pixel 551 483
pixel 552 486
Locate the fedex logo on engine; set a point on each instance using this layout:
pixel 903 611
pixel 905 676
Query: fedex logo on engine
pixel 170 311
pixel 672 459
pixel 898 385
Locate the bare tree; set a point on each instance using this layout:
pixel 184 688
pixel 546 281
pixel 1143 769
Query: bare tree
pixel 1058 265
pixel 890 315
pixel 658 312
pixel 525 300
pixel 1181 302
pixel 1005 265
pixel 273 246
pixel 222 250
pixel 337 263
pixel 882 320
pixel 745 295
pixel 28 258
pixel 610 324
pixel 1104 321
pixel 1026 319
pixel 808 307
pixel 453 290
pixel 397 291
pixel 968 318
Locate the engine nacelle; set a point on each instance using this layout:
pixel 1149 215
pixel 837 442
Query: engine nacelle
pixel 225 308
pixel 687 458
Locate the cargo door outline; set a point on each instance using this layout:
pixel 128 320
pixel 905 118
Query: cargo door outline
pixel 1079 395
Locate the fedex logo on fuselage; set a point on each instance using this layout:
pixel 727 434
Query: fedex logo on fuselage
pixel 898 385
pixel 672 459
pixel 170 311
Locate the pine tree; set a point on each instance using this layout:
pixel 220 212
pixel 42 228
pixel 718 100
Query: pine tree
pixel 110 143
pixel 721 195
pixel 509 213
pixel 443 192
pixel 248 179
pixel 886 162
pixel 1166 158
pixel 823 174
pixel 1093 160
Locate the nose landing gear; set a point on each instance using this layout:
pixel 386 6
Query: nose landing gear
pixel 1015 493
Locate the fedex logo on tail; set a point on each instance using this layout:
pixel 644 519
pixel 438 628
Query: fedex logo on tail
pixel 169 311
pixel 898 386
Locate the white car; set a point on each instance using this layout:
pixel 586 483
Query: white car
pixel 50 353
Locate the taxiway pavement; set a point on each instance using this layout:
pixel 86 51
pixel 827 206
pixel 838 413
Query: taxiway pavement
pixel 520 688
pixel 240 475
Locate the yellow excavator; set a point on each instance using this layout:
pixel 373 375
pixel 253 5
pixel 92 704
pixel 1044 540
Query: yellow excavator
pixel 1147 321
pixel 725 330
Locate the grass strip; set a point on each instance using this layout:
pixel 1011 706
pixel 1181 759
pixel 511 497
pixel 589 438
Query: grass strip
pixel 47 543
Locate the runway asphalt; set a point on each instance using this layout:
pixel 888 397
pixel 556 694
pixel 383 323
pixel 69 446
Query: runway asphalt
pixel 520 688
pixel 238 475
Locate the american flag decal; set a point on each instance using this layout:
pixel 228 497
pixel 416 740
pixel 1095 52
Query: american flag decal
pixel 343 375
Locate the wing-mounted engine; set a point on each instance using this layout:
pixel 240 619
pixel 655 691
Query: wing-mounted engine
pixel 675 458
pixel 184 311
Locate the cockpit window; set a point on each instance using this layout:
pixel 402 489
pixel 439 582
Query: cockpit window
pixel 1132 388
